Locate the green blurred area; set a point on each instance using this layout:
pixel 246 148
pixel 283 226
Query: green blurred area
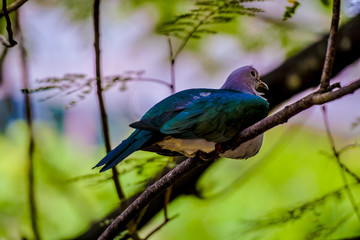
pixel 291 190
pixel 240 199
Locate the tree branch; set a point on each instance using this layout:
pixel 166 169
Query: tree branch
pixel 331 47
pixel 2 61
pixel 11 41
pixel 347 51
pixel 166 220
pixel 166 181
pixel 303 70
pixel 29 122
pixel 289 111
pixel 342 167
pixel 104 121
pixel 172 65
pixel 188 165
pixel 12 7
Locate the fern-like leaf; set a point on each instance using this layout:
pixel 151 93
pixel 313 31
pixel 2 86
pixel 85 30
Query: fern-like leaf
pixel 290 10
pixel 82 86
pixel 190 25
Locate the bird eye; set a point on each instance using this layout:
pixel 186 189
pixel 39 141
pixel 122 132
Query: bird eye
pixel 253 74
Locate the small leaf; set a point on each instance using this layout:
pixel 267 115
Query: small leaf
pixel 208 3
pixel 185 23
pixel 325 2
pixel 195 36
pixel 222 19
pixel 356 123
pixel 207 31
pixel 290 11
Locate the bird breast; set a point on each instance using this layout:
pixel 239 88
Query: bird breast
pixel 189 147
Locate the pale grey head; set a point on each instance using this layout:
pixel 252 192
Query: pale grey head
pixel 245 79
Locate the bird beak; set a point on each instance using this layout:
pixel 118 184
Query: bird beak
pixel 261 86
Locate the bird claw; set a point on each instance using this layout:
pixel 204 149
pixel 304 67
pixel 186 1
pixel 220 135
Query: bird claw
pixel 218 148
pixel 203 155
pixel 207 156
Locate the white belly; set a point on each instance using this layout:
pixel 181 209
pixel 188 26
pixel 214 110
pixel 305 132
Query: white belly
pixel 189 147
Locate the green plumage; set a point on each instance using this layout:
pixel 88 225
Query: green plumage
pixel 196 119
pixel 211 114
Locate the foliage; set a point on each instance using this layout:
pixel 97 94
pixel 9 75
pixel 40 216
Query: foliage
pixel 276 198
pixel 289 191
pixel 325 2
pixel 289 172
pixel 81 85
pixel 66 197
pixel 290 11
pixel 356 123
pixel 76 10
pixel 196 23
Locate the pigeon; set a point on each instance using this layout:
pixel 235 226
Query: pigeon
pixel 195 120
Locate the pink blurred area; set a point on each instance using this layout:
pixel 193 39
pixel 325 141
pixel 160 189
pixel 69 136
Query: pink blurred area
pixel 58 46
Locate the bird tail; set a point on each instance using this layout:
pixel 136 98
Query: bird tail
pixel 133 143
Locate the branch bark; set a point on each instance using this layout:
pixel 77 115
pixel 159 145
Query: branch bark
pixel 343 169
pixel 11 41
pixel 133 210
pixel 29 122
pixel 12 7
pixel 291 110
pixel 331 47
pixel 104 121
pixel 303 70
pixel 188 165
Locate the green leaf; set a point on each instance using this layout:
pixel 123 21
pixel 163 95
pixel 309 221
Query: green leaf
pixel 325 2
pixel 290 11
pixel 207 12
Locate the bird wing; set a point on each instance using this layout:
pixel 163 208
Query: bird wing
pixel 214 115
pixel 168 108
pixel 155 123
pixel 217 117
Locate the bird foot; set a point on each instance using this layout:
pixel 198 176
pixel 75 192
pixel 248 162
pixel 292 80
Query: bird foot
pixel 218 148
pixel 204 156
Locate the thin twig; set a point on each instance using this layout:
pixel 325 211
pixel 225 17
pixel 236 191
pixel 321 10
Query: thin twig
pixel 347 147
pixel 192 32
pixel 346 169
pixel 29 121
pixel 172 66
pixel 289 111
pixel 190 164
pixel 151 192
pixel 340 164
pixel 11 41
pixel 104 121
pixel 351 173
pixel 331 47
pixel 12 7
pixel 160 226
pixel 166 202
pixel 283 216
pixel 2 61
pixel 154 80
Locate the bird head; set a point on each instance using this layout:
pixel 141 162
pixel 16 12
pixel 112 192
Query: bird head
pixel 245 79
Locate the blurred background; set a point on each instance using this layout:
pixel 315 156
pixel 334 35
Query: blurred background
pixel 293 189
